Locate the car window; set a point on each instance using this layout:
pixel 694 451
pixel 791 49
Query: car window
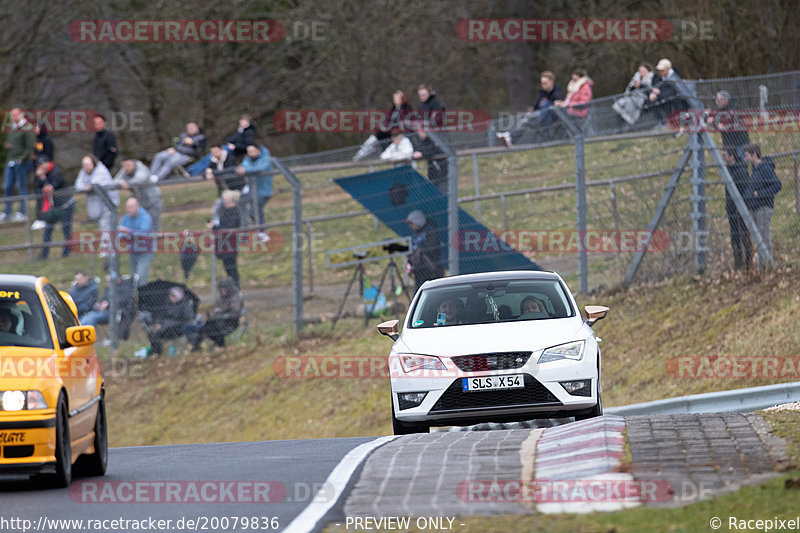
pixel 489 302
pixel 63 317
pixel 22 319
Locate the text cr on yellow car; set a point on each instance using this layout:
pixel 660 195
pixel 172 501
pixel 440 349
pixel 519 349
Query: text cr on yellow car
pixel 52 408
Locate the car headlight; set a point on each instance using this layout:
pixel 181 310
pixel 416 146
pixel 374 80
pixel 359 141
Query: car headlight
pixel 17 400
pixel 413 362
pixel 570 350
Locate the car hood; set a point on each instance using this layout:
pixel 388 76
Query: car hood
pixel 26 368
pixel 530 335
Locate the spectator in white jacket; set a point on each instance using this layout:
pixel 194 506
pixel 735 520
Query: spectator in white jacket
pixel 400 150
pixel 94 173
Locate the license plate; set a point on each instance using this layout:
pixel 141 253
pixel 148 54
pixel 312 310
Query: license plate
pixel 515 381
pixel 12 437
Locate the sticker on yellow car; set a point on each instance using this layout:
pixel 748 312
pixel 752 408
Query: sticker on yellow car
pixel 12 437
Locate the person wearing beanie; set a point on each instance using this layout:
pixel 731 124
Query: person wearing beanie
pixel 424 261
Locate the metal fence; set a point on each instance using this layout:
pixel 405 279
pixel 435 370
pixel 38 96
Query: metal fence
pixel 602 201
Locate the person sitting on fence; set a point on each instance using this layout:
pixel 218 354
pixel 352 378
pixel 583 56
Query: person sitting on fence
pixel 579 93
pixel 55 204
pixel 222 170
pixel 235 144
pixel 629 107
pixel 189 145
pixel 224 318
pixel 400 151
pixel 665 96
pixel 394 118
pixel 539 117
pixel 83 292
pixel 175 319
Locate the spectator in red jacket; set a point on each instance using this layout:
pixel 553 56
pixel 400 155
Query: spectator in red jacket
pixel 579 93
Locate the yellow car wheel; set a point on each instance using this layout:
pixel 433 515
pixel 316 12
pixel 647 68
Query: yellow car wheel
pixel 63 474
pixel 96 463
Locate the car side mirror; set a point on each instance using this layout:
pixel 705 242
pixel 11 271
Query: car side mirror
pixel 70 302
pixel 389 329
pixel 595 313
pixel 81 335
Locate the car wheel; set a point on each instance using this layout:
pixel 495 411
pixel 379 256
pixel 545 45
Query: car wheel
pixel 407 428
pixel 95 464
pixel 595 411
pixel 63 474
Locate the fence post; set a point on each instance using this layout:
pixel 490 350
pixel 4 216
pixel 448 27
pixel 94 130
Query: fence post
pixel 477 185
pixel 297 233
pixel 504 206
pixel 796 186
pixel 698 215
pixel 310 258
pixel 614 210
pixel 113 270
pixel 452 201
pixel 580 205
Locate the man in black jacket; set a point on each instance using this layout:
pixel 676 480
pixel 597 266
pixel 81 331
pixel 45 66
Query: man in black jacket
pixel 425 148
pixel 431 110
pixel 244 136
pixel 734 132
pixel 539 117
pixel 426 248
pixel 105 144
pixel 174 319
pixel 740 237
pixel 759 195
pixel 54 204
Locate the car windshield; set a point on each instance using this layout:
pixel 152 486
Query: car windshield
pixel 22 320
pixel 491 301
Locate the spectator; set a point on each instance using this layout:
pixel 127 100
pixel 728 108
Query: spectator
pixel 136 224
pixel 740 237
pixel 189 145
pixel 95 174
pixel 667 88
pixel 175 319
pixel 105 144
pixel 224 318
pixel 394 118
pixel 244 136
pixel 20 145
pixel 257 168
pixel 734 132
pixel 579 93
pixel 425 148
pixel 630 106
pixel 227 220
pixel 222 169
pixel 55 204
pixel 400 150
pixel 100 310
pixel 43 145
pixel 134 176
pixel 540 115
pixel 83 292
pixel 430 109
pixel 759 195
pixel 424 261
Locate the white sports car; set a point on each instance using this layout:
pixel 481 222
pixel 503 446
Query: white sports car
pixel 495 346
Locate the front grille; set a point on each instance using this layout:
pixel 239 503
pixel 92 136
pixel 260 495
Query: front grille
pixel 483 362
pixel 11 452
pixel 533 393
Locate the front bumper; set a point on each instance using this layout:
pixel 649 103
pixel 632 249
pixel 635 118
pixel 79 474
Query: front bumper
pixel 27 445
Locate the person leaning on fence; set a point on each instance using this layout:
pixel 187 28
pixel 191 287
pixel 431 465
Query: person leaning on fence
pixel 425 148
pixel 227 219
pixel 539 116
pixel 190 144
pixel 222 170
pixel 175 319
pixel 83 292
pixel 740 237
pixel 424 261
pixel 629 106
pixel 55 204
pixel 665 96
pixel 257 168
pixel 734 132
pixel 579 93
pixel 235 145
pixel 224 318
pixel 759 195
pixel 94 173
pixel 136 227
pixel 19 145
pixel 134 176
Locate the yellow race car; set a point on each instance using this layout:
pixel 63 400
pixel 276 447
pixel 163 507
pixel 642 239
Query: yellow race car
pixel 52 407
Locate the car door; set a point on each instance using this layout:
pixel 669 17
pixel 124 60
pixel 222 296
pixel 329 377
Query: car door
pixel 77 364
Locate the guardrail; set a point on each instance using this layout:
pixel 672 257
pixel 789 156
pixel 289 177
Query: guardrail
pixel 737 400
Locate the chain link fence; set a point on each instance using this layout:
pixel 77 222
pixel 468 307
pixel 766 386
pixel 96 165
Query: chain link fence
pixel 649 202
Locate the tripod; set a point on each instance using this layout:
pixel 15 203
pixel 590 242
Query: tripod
pixel 358 272
pixel 392 270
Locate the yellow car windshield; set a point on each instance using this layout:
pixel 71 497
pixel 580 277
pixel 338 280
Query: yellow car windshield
pixel 22 320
